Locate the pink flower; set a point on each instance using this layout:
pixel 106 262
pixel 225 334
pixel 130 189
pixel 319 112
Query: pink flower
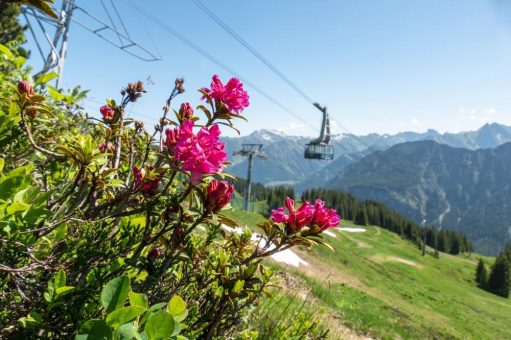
pixel 145 185
pixel 170 142
pixel 325 218
pixel 201 153
pixel 306 215
pixel 186 111
pixel 297 219
pixel 107 112
pixel 231 94
pixel 106 146
pixel 219 194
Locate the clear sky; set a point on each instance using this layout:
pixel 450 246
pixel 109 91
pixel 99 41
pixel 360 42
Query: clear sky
pixel 379 66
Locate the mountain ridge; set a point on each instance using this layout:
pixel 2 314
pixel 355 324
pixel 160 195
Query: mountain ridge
pixel 456 188
pixel 289 167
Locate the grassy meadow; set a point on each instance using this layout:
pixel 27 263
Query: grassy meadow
pixel 379 286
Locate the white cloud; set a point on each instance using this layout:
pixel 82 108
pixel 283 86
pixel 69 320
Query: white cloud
pixel 415 122
pixel 480 115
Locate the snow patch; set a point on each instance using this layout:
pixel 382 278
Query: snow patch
pixel 329 233
pixel 352 230
pixel 287 256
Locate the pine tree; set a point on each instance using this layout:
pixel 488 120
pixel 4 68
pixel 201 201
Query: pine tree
pixel 498 283
pixel 481 275
pixel 361 218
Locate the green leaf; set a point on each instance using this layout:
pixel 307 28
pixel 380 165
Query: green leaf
pixel 33 319
pixel 238 286
pixel 43 7
pixel 153 309
pixel 138 299
pixel 2 162
pixel 64 290
pixel 46 77
pixel 6 51
pixel 60 279
pixel 160 326
pixel 176 306
pixel 123 315
pixel 127 332
pixel 94 330
pixel 115 293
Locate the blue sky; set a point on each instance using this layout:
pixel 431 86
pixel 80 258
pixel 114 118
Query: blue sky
pixel 379 66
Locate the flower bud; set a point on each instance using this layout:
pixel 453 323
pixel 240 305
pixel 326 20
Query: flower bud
pixel 170 142
pixel 33 112
pixel 24 87
pixel 144 183
pixel 186 111
pixel 106 146
pixel 153 254
pixel 219 194
pixel 179 85
pixel 107 112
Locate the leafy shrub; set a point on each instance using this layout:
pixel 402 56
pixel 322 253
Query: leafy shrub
pixel 93 210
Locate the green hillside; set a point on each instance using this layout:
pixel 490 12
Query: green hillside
pixel 379 285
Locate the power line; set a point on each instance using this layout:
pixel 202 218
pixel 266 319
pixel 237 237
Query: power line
pixel 251 49
pixel 264 60
pixel 207 55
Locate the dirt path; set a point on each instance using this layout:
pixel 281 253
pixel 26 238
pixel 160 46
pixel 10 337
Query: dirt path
pixel 359 244
pixel 381 258
pixel 329 317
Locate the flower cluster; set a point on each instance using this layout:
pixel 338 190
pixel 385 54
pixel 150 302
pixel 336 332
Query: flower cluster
pixel 144 183
pixel 219 194
pixel 201 153
pixel 231 94
pixel 306 215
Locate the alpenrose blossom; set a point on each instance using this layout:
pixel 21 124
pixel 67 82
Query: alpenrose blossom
pixel 307 214
pixel 146 186
pixel 201 153
pixel 185 111
pixel 219 194
pixel 231 94
pixel 107 112
pixel 325 218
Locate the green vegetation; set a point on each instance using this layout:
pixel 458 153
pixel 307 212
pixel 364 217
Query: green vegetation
pixel 379 284
pixel 376 213
pixel 400 292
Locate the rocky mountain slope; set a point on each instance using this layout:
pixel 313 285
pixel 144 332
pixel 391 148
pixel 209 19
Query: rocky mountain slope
pixel 286 164
pixel 468 190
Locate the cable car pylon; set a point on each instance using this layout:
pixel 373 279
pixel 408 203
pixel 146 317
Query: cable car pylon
pixel 320 148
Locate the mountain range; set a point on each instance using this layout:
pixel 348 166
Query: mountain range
pixel 286 164
pixel 455 188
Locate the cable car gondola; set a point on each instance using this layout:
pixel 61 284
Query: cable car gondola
pixel 320 148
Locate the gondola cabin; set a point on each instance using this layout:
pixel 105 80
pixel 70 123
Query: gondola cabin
pixel 321 148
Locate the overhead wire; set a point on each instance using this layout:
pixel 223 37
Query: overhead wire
pixel 251 49
pixel 262 58
pixel 213 59
pixel 275 70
